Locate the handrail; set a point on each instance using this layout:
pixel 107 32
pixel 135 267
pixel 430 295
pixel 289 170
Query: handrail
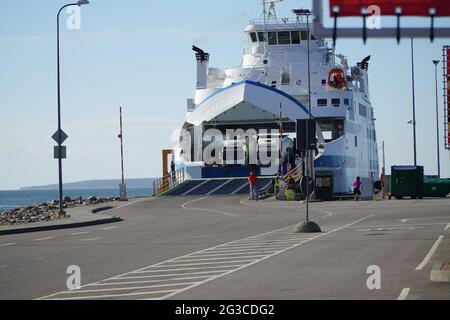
pixel 168 182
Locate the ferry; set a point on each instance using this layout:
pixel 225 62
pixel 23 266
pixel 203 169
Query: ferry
pixel 266 95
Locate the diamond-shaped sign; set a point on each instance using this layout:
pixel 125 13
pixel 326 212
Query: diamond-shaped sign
pixel 60 136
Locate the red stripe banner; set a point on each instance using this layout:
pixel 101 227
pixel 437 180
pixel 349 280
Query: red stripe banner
pixel 448 97
pixel 388 7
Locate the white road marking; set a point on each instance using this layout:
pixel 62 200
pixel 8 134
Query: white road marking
pixel 44 239
pixel 174 274
pixel 329 214
pixel 219 187
pixel 430 254
pixel 404 220
pixel 263 259
pixel 233 253
pixel 148 281
pixel 447 227
pixel 108 228
pixel 7 244
pixel 204 209
pixel 195 188
pixel 132 288
pixel 133 202
pixel 174 270
pixel 3 266
pixel 39 258
pixel 166 269
pixel 207 258
pixel 79 233
pixel 175 264
pixel 116 295
pixel 404 294
pixel 91 239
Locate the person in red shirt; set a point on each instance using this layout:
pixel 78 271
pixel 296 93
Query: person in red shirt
pixel 252 180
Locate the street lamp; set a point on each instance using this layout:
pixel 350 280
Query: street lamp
pixel 436 62
pixel 414 123
pixel 60 136
pixel 308 226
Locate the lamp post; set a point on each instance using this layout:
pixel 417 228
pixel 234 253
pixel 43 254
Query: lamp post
pixel 436 62
pixel 414 102
pixel 308 226
pixel 59 136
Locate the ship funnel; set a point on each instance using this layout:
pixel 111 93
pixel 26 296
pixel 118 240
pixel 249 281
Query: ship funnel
pixel 202 67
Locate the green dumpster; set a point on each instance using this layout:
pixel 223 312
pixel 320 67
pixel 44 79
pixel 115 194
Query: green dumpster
pixel 436 188
pixel 407 181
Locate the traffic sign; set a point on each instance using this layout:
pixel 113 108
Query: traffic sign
pixel 60 136
pixel 60 152
pixel 307 186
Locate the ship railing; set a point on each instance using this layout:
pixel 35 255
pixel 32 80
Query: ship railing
pixel 169 181
pixel 296 174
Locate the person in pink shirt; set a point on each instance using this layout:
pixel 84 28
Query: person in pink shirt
pixel 357 188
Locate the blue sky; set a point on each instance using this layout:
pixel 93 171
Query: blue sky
pixel 137 54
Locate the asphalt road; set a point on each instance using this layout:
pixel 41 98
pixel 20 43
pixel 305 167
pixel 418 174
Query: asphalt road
pixel 230 248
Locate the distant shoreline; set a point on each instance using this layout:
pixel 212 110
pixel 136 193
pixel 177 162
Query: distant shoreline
pixel 138 183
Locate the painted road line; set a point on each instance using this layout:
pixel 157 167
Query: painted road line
pixel 116 295
pixel 79 233
pixel 219 187
pixel 104 284
pixel 131 288
pixel 177 274
pixel 220 258
pixel 447 227
pixel 195 188
pixel 44 239
pixel 134 202
pixel 430 254
pixel 184 206
pixel 108 228
pixel 91 239
pixel 264 258
pixel 177 266
pixel 404 294
pixel 234 254
pixel 8 244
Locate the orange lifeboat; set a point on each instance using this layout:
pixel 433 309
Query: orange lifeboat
pixel 336 79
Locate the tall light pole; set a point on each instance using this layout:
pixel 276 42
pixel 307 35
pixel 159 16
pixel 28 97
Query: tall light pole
pixel 414 102
pixel 308 226
pixel 436 62
pixel 60 135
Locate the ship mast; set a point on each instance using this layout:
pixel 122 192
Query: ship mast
pixel 269 14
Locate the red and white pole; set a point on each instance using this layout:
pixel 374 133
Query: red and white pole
pixel 123 192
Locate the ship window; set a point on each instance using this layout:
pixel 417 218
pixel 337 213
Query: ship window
pixel 304 35
pixel 284 37
pixel 295 36
pixel 356 141
pixel 285 78
pixel 272 36
pixel 261 37
pixel 336 103
pixel 362 110
pixel 253 37
pixel 274 84
pixel 352 113
pixel 322 102
pixel 346 102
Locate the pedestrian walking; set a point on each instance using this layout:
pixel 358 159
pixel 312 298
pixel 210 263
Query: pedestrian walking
pixel 357 188
pixel 252 180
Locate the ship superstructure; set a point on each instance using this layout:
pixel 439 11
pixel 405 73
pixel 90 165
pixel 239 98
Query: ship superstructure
pixel 269 91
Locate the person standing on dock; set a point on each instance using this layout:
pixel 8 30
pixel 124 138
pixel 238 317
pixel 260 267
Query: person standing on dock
pixel 357 188
pixel 252 180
